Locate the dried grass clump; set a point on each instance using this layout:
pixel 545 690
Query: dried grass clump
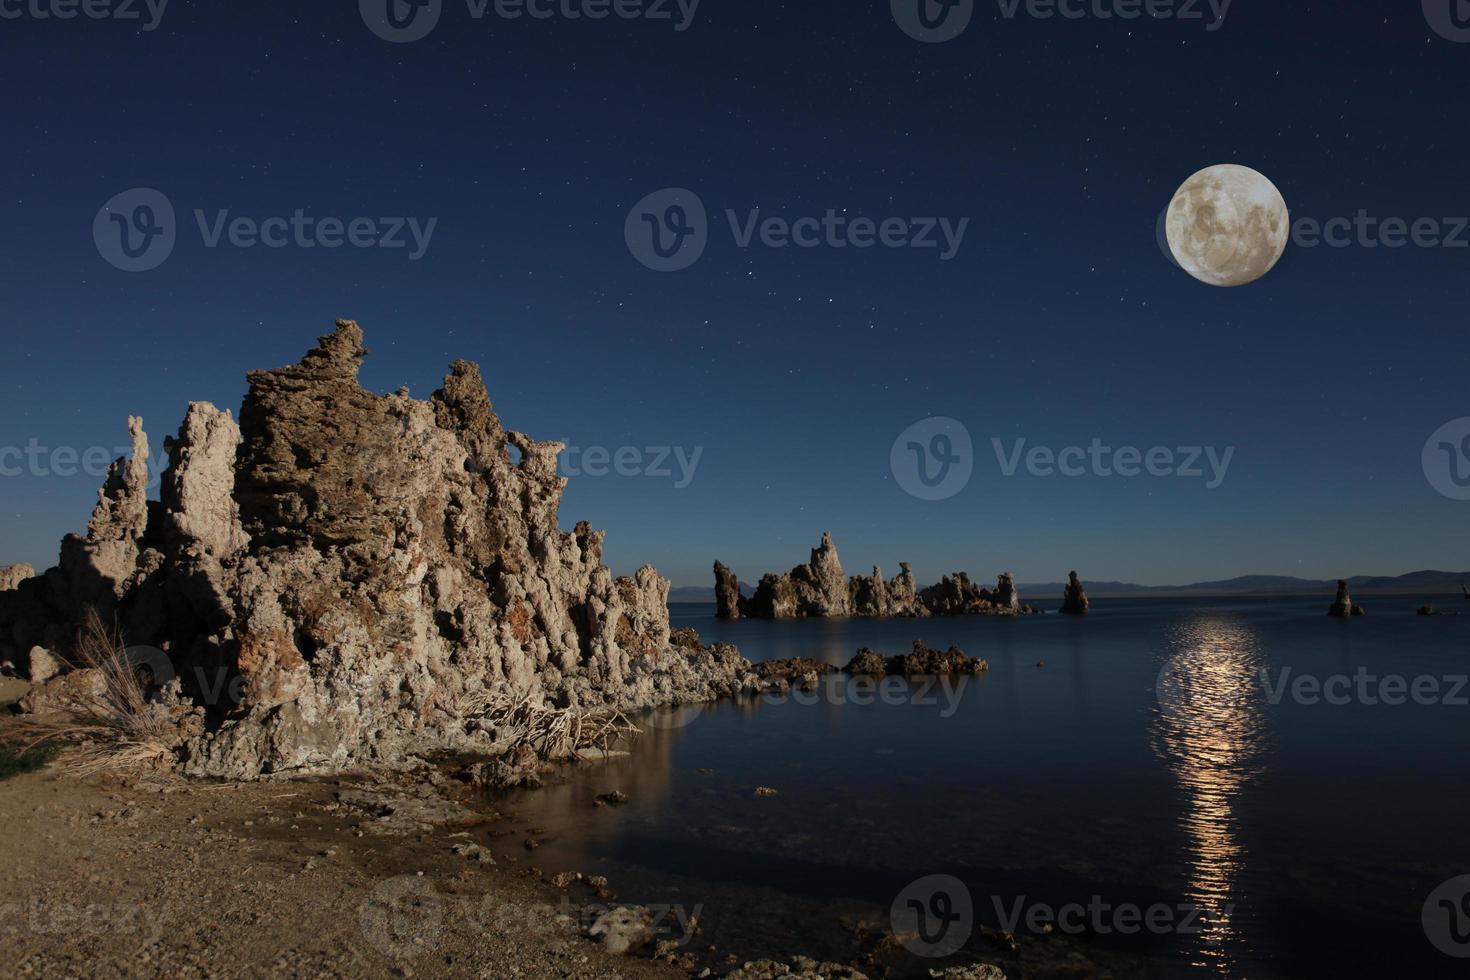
pixel 108 723
pixel 553 734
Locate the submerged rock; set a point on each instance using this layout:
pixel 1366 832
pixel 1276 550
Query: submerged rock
pixel 922 661
pixel 1074 599
pixel 1343 605
pixel 346 578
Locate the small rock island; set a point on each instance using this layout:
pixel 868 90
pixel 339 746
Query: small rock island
pixel 820 589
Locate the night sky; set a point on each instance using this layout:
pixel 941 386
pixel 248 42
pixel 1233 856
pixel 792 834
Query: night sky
pixel 793 370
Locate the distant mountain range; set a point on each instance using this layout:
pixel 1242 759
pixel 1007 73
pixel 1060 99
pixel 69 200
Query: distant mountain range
pixel 1428 581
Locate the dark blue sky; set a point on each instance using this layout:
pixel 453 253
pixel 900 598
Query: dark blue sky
pixel 1058 321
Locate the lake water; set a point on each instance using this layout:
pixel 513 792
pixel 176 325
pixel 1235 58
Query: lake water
pixel 1143 765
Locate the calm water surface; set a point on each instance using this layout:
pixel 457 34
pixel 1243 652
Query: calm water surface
pixel 1135 758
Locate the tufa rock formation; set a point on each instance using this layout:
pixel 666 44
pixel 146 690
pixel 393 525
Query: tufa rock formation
pixel 819 589
pixel 729 603
pixel 1074 599
pixel 345 578
pixel 1343 606
pixel 12 575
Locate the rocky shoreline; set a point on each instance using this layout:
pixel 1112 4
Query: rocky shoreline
pixel 820 589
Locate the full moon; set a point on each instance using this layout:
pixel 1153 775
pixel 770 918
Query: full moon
pixel 1227 225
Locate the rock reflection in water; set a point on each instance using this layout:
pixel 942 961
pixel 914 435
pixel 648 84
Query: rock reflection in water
pixel 1210 729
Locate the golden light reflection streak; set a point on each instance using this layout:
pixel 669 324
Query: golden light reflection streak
pixel 1209 729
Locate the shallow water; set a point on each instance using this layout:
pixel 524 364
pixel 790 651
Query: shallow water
pixel 1132 763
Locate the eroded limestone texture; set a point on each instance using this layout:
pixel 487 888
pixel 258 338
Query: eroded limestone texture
pixel 347 577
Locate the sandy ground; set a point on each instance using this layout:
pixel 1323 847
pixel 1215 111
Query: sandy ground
pixel 151 876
